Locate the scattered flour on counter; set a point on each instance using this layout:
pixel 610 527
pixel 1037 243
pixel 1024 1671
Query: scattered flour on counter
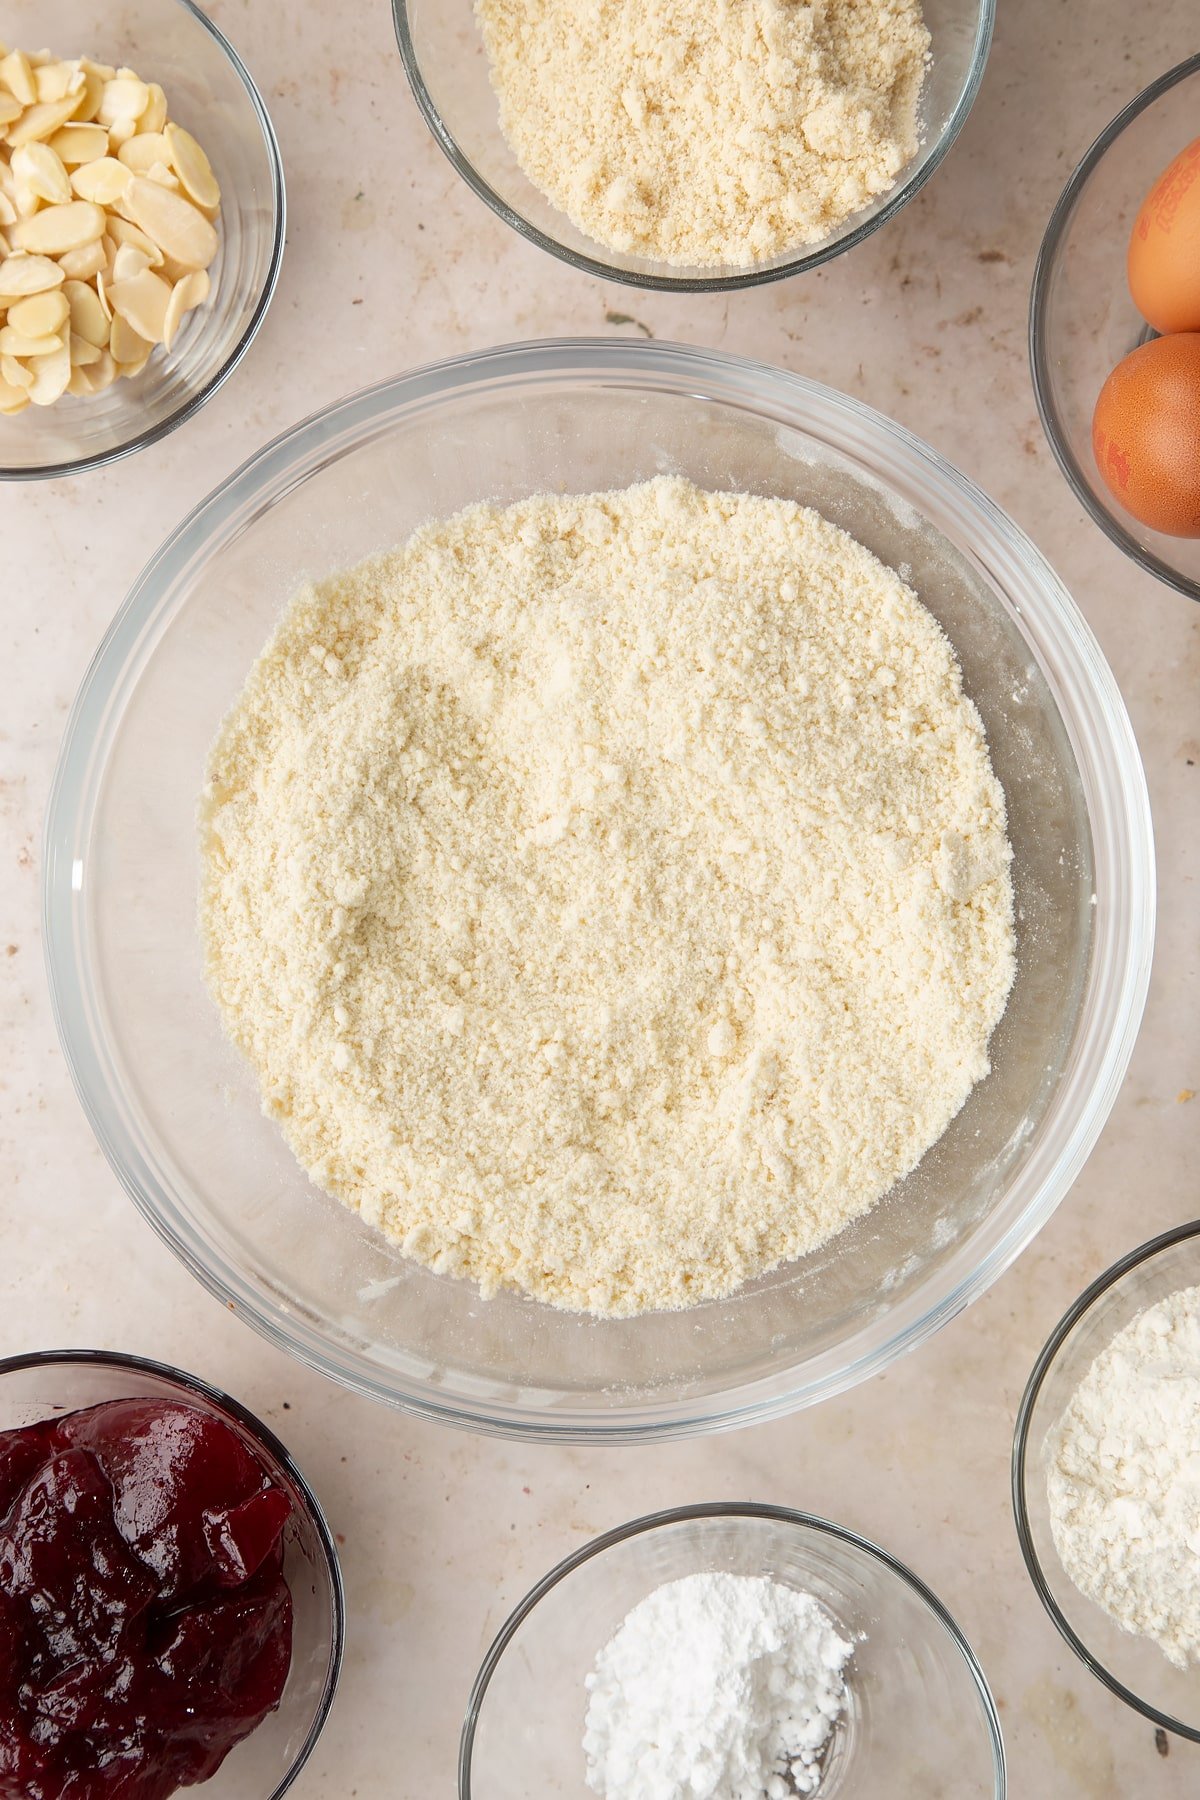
pixel 715 1687
pixel 1123 1478
pixel 702 134
pixel 611 892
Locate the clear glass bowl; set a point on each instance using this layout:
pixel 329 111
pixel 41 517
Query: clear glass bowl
pixel 444 57
pixel 919 1714
pixel 176 1110
pixel 264 1765
pixel 208 90
pixel 1082 320
pixel 1134 1668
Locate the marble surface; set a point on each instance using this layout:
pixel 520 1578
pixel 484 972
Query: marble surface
pixel 391 261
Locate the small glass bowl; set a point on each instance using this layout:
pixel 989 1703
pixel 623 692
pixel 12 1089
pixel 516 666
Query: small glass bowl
pixel 447 69
pixel 1082 320
pixel 209 91
pixel 918 1709
pixel 1133 1667
pixel 265 1764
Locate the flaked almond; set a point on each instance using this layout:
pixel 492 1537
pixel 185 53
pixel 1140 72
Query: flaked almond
pixel 42 121
pixel 189 292
pixel 10 108
pixel 90 95
pixel 180 229
pixel 40 169
pixel 58 229
pixel 83 351
pixel 127 343
pixel 15 343
pixel 192 167
pixel 142 302
pixel 93 378
pixel 128 262
pixel 80 265
pixel 51 374
pixel 15 372
pixel 77 144
pixel 103 181
pixel 55 80
pixel 124 97
pixel 28 275
pixel 144 150
pixel 16 73
pixel 88 318
pixel 155 115
pixel 124 231
pixel 40 315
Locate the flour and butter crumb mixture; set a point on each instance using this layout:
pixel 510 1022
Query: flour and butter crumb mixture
pixel 700 133
pixel 611 892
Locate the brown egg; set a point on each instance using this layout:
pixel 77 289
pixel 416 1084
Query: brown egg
pixel 1146 434
pixel 1164 248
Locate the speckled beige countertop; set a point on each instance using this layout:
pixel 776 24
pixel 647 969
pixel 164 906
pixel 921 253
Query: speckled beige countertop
pixel 390 262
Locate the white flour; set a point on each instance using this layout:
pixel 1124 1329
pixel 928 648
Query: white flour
pixel 716 1687
pixel 1124 1478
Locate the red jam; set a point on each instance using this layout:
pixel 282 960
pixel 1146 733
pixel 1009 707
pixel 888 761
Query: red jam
pixel 145 1623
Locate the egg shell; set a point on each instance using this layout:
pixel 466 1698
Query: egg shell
pixel 1163 263
pixel 1146 434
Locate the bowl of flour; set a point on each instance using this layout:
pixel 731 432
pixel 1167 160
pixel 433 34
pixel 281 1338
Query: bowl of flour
pixel 730 1652
pixel 668 146
pixel 670 901
pixel 1106 1478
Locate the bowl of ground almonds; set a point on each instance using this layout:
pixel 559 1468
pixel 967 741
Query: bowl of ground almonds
pixel 598 889
pixel 670 145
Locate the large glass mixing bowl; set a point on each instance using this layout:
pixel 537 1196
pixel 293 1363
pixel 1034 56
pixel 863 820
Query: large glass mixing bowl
pixel 177 1112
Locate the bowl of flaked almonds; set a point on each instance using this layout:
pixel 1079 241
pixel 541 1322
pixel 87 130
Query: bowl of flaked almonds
pixel 141 226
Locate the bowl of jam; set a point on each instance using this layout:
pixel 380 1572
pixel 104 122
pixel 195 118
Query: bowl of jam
pixel 171 1610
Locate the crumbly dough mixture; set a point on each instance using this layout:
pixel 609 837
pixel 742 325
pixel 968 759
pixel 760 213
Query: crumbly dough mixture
pixel 700 133
pixel 611 891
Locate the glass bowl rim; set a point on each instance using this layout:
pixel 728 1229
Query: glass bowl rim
pixel 1039 367
pixel 812 258
pixel 187 409
pixel 129 1362
pixel 1091 1295
pixel 1055 626
pixel 725 1509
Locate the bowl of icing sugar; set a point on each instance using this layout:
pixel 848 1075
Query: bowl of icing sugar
pixel 1106 1478
pixel 730 1652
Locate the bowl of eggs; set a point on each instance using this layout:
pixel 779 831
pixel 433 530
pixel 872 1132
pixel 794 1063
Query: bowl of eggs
pixel 1115 329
